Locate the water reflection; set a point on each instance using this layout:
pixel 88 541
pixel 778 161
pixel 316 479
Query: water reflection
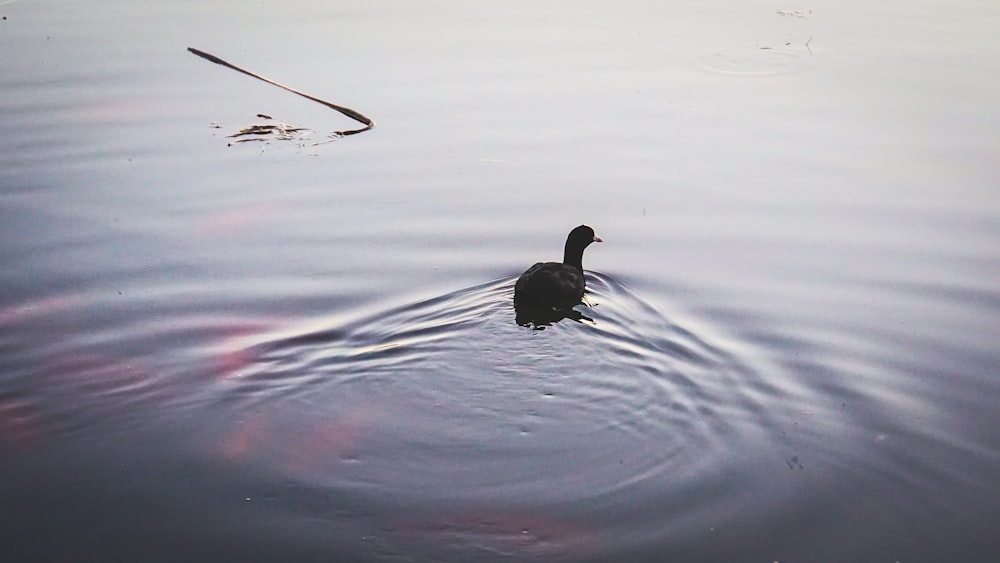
pixel 540 317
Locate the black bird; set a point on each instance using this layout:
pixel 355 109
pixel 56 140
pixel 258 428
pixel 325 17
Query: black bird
pixel 557 285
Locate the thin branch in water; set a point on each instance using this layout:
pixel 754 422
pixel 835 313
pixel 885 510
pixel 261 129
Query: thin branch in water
pixel 367 122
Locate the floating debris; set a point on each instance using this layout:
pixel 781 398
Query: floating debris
pixel 268 132
pixel 357 116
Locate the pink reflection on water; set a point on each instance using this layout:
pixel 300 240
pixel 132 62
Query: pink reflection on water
pixel 312 451
pixel 18 427
pixel 237 219
pixel 39 308
pixel 330 441
pixel 249 438
pixel 232 362
pixel 236 354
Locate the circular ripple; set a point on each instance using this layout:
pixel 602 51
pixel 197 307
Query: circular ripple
pixel 450 400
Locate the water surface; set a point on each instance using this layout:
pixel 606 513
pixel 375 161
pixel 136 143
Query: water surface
pixel 284 350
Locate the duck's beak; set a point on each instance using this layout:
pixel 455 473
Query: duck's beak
pixel 598 239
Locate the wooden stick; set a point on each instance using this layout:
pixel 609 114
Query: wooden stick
pixel 344 110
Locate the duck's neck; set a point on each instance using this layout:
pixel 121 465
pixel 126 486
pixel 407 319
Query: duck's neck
pixel 573 257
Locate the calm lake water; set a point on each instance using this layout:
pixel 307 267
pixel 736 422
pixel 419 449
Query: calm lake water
pixel 300 350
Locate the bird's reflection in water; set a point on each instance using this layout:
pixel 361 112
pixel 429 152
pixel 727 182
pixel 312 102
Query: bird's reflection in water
pixel 540 317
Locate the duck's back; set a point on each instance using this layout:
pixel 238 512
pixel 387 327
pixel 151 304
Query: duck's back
pixel 550 284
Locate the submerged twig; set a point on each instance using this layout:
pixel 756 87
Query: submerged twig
pixel 344 110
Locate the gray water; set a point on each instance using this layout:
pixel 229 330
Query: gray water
pixel 305 349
